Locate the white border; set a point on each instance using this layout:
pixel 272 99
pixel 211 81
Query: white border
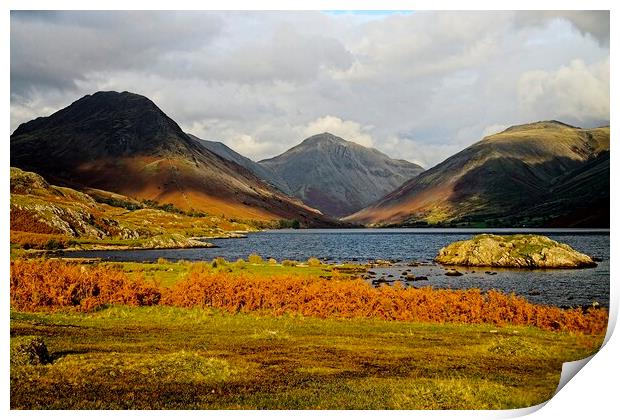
pixel 592 394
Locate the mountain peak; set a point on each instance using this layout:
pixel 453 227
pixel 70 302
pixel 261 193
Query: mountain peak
pixel 507 179
pixel 323 138
pixel 123 143
pixel 337 176
pixel 126 107
pixel 539 125
pixel 116 101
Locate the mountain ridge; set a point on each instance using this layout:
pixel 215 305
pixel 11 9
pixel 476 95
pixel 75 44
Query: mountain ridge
pixel 264 173
pixel 493 179
pixel 338 176
pixel 123 143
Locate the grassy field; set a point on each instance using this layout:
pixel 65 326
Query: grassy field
pixel 238 335
pixel 168 273
pixel 167 357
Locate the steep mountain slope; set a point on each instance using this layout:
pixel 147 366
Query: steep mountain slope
pixel 507 179
pixel 44 215
pixel 579 198
pixel 337 176
pixel 122 142
pixel 262 172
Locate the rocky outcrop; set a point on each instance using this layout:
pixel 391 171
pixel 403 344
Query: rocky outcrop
pixel 74 220
pixel 23 182
pixel 517 251
pixel 174 241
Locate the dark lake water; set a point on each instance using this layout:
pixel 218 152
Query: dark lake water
pixel 554 287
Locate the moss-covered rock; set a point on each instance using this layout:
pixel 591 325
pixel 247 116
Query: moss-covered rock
pixel 519 251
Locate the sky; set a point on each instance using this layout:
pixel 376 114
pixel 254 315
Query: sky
pixel 415 85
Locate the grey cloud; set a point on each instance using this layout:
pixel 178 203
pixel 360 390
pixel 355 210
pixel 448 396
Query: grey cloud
pixel 593 22
pixel 418 86
pixel 285 56
pixel 61 48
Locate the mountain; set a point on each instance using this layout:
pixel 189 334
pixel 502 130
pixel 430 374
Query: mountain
pixel 123 143
pixel 540 174
pixel 48 216
pixel 262 172
pixel 337 176
pixel 584 192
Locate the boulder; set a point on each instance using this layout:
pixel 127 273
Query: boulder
pixel 517 251
pixel 453 273
pixel 411 277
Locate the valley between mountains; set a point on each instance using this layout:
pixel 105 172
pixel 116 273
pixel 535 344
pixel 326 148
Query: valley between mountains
pixel 114 167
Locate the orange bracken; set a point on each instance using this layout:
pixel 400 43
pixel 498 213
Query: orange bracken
pixel 39 285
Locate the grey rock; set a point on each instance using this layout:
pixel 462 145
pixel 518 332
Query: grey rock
pixel 453 273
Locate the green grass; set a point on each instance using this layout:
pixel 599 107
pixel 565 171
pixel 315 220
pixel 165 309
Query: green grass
pixel 168 273
pixel 166 357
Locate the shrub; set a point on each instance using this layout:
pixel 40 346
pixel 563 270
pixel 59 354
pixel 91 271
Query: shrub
pixel 240 263
pixel 115 202
pixel 51 284
pixel 314 262
pixel 29 240
pixel 37 285
pixel 288 224
pixel 356 298
pixel 53 244
pixel 29 350
pixel 162 260
pixel 272 261
pixel 289 263
pixel 255 259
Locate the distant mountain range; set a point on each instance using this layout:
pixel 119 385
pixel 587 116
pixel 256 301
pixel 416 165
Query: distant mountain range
pixel 262 172
pixel 541 174
pixel 326 172
pixel 337 176
pixel 123 143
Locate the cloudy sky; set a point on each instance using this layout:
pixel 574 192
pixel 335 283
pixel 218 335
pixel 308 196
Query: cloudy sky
pixel 415 85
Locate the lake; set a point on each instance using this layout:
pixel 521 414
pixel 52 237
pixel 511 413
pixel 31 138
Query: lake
pixel 555 287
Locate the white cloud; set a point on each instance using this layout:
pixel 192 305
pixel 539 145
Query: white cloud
pixel 494 129
pixel 576 91
pixel 240 141
pixel 420 152
pixel 348 130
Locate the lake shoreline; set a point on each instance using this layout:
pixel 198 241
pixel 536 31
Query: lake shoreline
pixel 558 287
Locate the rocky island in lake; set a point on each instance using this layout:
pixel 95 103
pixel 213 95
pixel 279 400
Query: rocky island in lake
pixel 517 251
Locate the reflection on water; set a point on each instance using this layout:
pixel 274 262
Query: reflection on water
pixel 556 287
